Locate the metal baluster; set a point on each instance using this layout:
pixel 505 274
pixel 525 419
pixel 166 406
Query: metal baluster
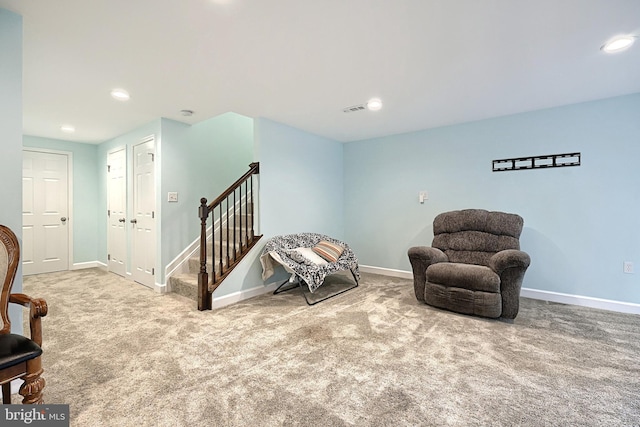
pixel 227 218
pixel 221 270
pixel 246 220
pixel 240 229
pixel 234 225
pixel 253 233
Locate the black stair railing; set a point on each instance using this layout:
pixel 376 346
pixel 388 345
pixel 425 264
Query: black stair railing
pixel 232 238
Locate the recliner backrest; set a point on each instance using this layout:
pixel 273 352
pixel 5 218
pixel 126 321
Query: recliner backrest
pixel 473 236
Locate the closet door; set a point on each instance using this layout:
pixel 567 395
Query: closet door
pixel 117 211
pixel 45 212
pixel 143 221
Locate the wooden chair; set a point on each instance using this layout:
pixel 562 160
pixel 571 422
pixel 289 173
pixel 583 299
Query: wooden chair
pixel 19 355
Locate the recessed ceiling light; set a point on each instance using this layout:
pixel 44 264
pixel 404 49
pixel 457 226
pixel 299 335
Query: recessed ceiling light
pixel 374 104
pixel 186 113
pixel 67 128
pixel 120 94
pixel 618 44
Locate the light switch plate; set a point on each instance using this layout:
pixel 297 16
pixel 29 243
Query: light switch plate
pixel 422 196
pixel 172 196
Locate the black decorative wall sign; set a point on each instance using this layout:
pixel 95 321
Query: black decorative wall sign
pixel 537 162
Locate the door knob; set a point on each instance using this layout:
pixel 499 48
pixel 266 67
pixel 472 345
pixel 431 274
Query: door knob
pixel 134 221
pixel 121 220
pixel 63 219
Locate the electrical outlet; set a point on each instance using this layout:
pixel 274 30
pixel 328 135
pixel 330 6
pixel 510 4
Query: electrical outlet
pixel 627 267
pixel 172 196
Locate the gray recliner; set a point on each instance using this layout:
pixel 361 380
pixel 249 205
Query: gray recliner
pixel 474 265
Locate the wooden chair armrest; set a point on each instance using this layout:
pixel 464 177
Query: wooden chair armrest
pixel 37 309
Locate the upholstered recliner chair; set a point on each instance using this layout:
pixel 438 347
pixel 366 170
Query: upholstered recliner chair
pixel 474 265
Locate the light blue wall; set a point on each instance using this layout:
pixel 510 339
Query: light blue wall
pixel 301 181
pixel 176 218
pixel 85 193
pixel 301 190
pixel 581 223
pixel 199 161
pixel 221 149
pixel 11 137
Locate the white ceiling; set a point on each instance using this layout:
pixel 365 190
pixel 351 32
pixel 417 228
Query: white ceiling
pixel 300 62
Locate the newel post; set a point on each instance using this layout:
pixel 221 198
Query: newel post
pixel 204 301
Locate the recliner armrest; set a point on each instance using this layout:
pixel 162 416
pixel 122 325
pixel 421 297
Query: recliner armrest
pixel 422 257
pixel 510 265
pixel 37 308
pixel 428 253
pixel 509 258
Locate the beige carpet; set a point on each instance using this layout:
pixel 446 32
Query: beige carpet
pixel 122 355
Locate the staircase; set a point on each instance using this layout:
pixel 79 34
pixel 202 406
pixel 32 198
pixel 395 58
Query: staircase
pixel 186 284
pixel 222 245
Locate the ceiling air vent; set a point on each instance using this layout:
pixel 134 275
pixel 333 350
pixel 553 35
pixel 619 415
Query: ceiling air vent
pixel 354 108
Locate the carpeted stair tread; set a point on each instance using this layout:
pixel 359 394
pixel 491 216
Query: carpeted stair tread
pixel 185 284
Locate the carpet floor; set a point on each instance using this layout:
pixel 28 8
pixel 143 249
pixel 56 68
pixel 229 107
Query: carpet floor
pixel 123 355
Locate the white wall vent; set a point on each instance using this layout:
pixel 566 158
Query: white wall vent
pixel 354 108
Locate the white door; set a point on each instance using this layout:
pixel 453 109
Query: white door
pixel 45 212
pixel 117 211
pixel 144 230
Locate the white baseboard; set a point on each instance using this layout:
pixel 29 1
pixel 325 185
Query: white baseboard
pixel 160 288
pixel 155 286
pixel 179 264
pixel 242 295
pixel 386 272
pixel 603 304
pixel 90 264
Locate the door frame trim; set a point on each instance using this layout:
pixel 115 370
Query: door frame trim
pixel 69 155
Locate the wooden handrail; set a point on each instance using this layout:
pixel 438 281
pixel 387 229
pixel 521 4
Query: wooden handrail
pixel 247 239
pixel 254 168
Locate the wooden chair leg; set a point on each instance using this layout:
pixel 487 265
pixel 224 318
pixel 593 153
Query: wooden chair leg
pixel 34 384
pixel 6 393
